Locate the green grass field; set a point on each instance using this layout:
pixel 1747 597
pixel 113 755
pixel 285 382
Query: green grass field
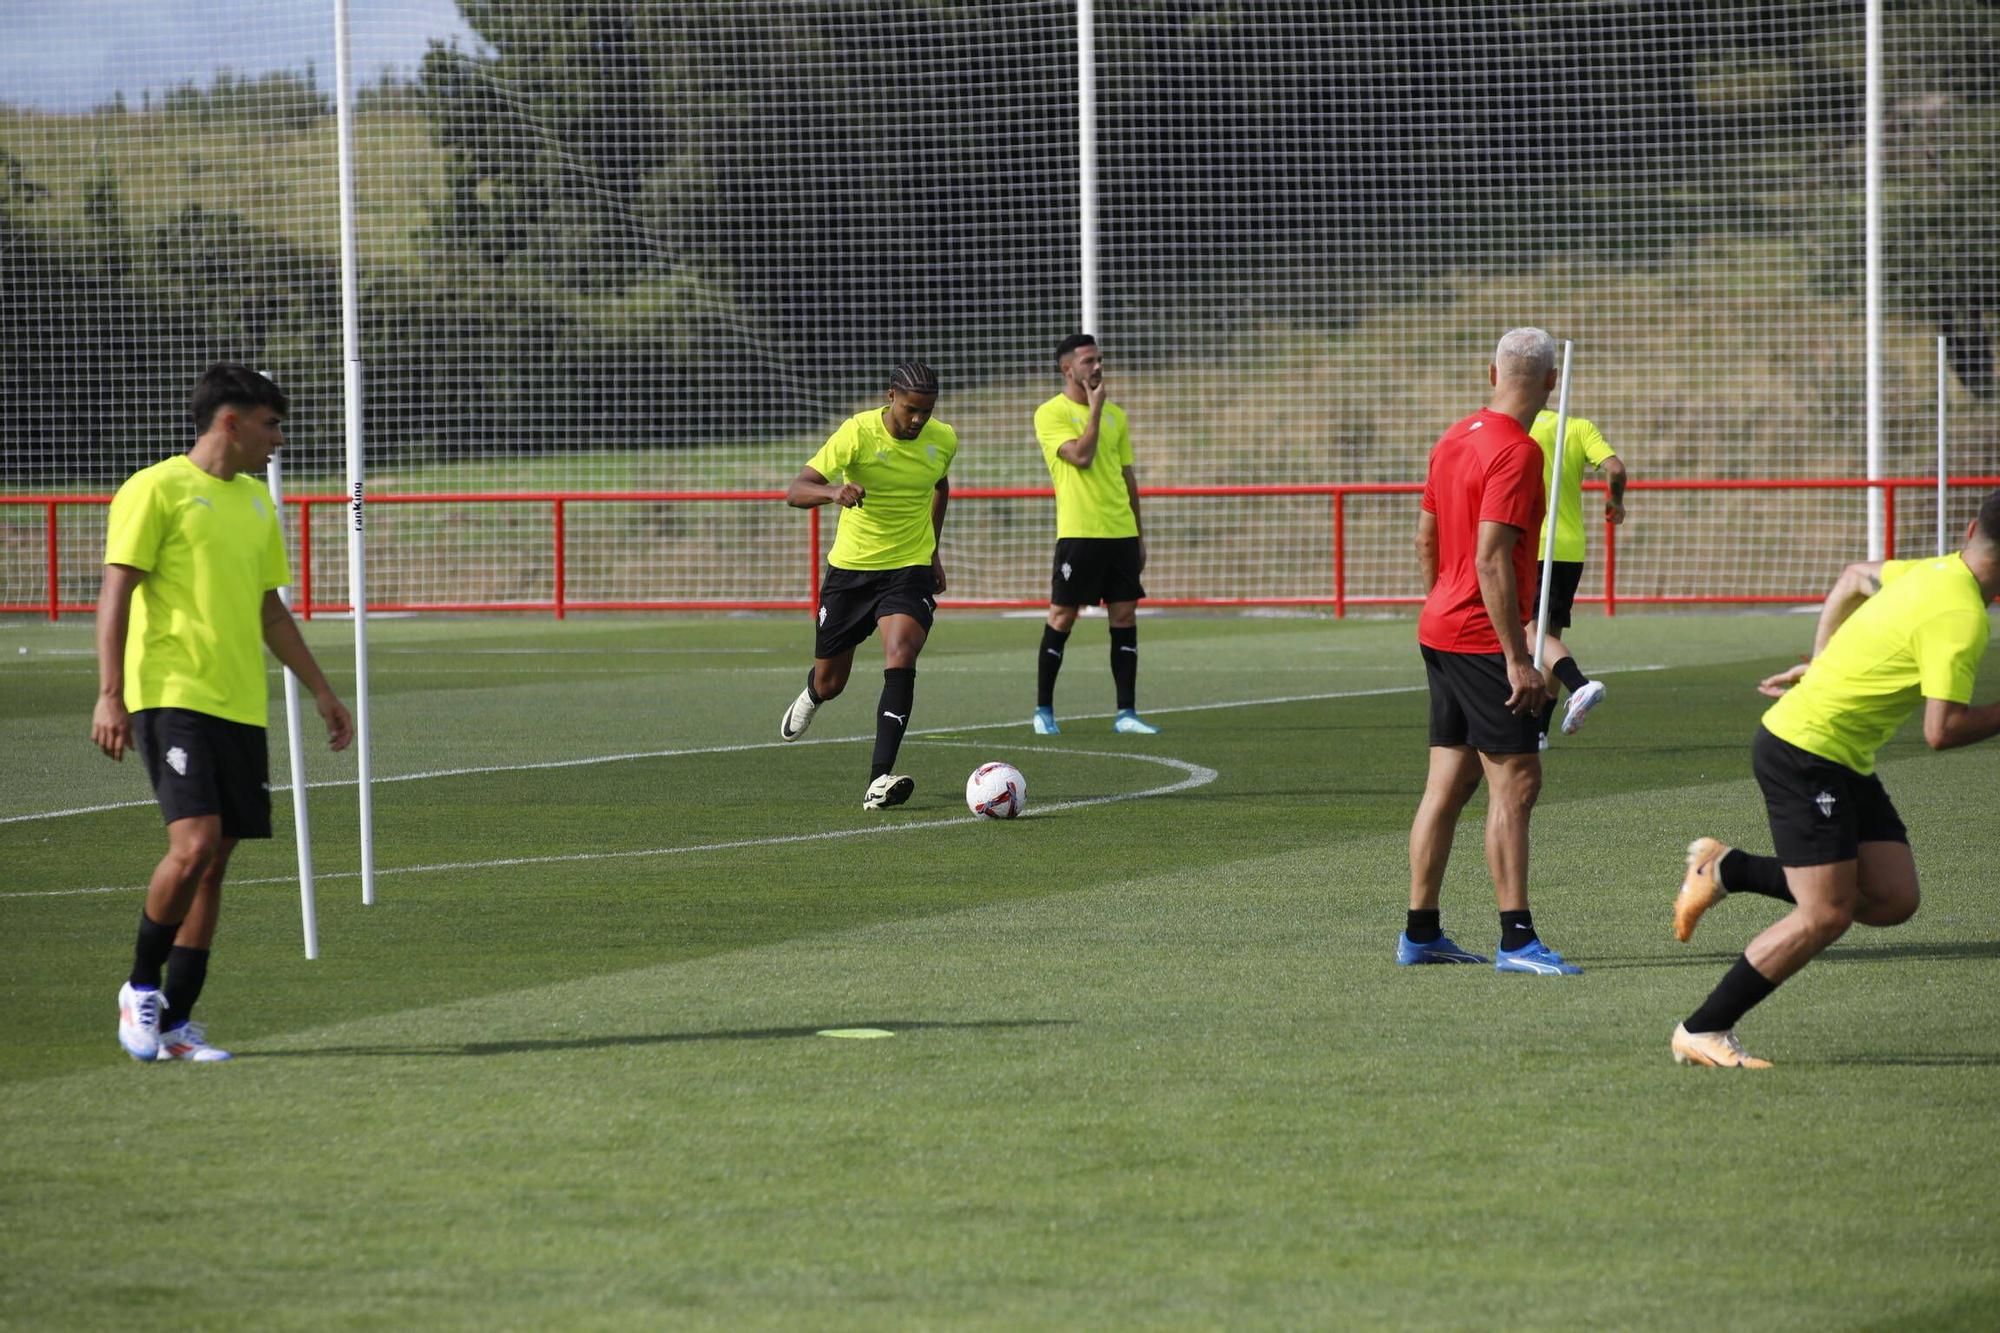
pixel 1152 1064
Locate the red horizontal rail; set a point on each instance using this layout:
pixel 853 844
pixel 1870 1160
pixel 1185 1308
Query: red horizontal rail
pixel 1338 599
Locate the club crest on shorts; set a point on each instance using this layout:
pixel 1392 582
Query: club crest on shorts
pixel 177 760
pixel 1825 803
pixel 1065 571
pixel 822 614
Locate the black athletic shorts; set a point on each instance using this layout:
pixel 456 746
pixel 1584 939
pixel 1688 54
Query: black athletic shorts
pixel 201 764
pixel 1469 704
pixel 852 600
pixel 1089 570
pixel 1562 592
pixel 1821 812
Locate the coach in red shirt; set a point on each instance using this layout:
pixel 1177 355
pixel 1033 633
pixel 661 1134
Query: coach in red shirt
pixel 1483 504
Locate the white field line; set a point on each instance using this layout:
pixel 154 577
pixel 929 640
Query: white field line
pixel 589 760
pixel 1193 775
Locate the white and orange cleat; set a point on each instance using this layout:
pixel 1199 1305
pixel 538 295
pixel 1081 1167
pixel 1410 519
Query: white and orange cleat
pixel 1716 1050
pixel 1701 886
pixel 189 1041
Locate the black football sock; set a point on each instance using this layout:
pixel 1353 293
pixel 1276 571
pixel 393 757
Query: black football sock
pixel 1741 872
pixel 1048 664
pixel 892 717
pixel 149 955
pixel 1423 927
pixel 1739 991
pixel 1517 930
pixel 187 970
pixel 1125 665
pixel 812 693
pixel 1570 675
pixel 1547 718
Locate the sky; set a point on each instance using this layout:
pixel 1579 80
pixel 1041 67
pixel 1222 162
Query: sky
pixel 70 55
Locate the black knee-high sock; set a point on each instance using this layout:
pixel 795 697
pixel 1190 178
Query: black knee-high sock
pixel 1742 987
pixel 1517 930
pixel 187 971
pixel 1423 926
pixel 1048 664
pixel 1548 716
pixel 1740 872
pixel 892 717
pixel 149 955
pixel 812 693
pixel 1125 665
pixel 1570 674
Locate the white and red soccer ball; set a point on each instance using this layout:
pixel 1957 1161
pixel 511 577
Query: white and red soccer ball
pixel 996 791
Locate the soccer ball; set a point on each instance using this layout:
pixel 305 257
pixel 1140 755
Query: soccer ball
pixel 997 791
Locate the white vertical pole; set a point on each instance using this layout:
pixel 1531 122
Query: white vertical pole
pixel 1872 244
pixel 1554 499
pixel 1943 534
pixel 294 743
pixel 1086 143
pixel 350 342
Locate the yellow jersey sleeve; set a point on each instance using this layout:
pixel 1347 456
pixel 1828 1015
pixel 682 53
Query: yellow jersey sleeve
pixel 137 524
pixel 277 565
pixel 1595 449
pixel 835 456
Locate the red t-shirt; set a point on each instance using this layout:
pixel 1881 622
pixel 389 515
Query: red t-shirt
pixel 1485 469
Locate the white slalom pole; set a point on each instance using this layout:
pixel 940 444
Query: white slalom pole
pixel 1871 154
pixel 294 743
pixel 350 342
pixel 1941 438
pixel 1554 499
pixel 1086 144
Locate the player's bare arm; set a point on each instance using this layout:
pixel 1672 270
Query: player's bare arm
pixel 1132 495
pixel 282 637
pixel 1856 584
pixel 1615 477
pixel 110 724
pixel 809 490
pixel 940 501
pixel 1427 548
pixel 1494 563
pixel 1948 725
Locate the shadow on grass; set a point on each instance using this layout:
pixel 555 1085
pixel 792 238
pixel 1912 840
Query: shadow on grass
pixel 896 1025
pixel 1937 952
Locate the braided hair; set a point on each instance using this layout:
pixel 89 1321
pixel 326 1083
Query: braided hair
pixel 914 377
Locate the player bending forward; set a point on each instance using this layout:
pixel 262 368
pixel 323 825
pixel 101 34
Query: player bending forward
pixel 1890 634
pixel 884 570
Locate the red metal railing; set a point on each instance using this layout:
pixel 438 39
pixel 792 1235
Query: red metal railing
pixel 1337 598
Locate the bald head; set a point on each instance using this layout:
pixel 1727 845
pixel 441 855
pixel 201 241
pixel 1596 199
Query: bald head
pixel 1525 357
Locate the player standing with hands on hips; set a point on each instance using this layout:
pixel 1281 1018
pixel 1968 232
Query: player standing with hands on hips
pixel 1892 634
pixel 1100 547
pixel 193 560
pixel 1483 503
pixel 886 468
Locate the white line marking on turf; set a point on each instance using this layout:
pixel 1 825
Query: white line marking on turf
pixel 1193 775
pixel 761 745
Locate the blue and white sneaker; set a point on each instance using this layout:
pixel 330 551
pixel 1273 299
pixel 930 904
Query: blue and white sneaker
pixel 1044 722
pixel 1129 723
pixel 1534 957
pixel 1439 950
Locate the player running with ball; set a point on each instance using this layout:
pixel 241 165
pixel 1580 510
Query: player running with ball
pixel 1892 634
pixel 886 468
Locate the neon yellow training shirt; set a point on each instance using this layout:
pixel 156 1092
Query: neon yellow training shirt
pixel 1090 501
pixel 891 527
pixel 1919 638
pixel 211 549
pixel 1584 448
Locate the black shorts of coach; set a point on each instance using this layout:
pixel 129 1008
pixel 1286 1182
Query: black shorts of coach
pixel 851 601
pixel 1821 812
pixel 1089 570
pixel 1469 694
pixel 203 765
pixel 1562 592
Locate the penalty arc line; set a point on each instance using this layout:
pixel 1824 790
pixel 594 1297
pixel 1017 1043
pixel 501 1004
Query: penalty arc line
pixel 1193 775
pixel 740 747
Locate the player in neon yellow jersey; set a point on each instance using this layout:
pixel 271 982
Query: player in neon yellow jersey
pixel 887 468
pixel 1892 636
pixel 193 560
pixel 1584 447
pixel 1100 543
